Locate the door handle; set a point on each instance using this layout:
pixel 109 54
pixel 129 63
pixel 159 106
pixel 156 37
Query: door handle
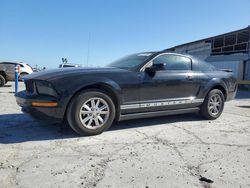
pixel 190 77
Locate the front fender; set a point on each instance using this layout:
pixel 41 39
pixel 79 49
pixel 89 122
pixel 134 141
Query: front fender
pixel 68 87
pixel 97 81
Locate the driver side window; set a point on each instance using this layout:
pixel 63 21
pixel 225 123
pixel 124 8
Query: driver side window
pixel 173 62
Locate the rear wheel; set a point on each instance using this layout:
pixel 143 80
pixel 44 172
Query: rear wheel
pixel 91 112
pixel 2 81
pixel 213 105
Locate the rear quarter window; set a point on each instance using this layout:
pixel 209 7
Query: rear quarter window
pixel 200 65
pixel 173 62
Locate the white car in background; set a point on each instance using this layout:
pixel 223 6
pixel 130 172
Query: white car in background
pixel 68 65
pixel 25 69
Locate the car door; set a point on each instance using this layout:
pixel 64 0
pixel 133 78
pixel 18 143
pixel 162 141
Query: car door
pixel 9 70
pixel 174 86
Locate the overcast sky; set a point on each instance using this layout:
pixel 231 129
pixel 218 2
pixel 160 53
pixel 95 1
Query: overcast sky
pixel 43 31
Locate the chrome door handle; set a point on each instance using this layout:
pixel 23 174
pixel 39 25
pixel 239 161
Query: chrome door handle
pixel 189 77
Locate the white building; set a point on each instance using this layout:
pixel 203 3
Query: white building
pixel 227 51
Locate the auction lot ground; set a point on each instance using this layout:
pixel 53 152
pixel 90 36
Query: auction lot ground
pixel 173 151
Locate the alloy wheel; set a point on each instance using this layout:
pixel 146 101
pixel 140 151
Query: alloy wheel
pixel 215 104
pixel 94 113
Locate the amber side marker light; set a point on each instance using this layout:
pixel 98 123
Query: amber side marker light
pixel 44 104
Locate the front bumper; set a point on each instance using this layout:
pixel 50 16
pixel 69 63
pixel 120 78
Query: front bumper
pixel 52 114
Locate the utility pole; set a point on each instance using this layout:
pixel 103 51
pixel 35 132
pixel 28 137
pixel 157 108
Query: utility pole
pixel 248 62
pixel 88 51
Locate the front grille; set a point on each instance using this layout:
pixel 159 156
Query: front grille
pixel 29 86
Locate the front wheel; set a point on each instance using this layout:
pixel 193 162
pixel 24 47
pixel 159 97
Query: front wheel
pixel 91 112
pixel 213 105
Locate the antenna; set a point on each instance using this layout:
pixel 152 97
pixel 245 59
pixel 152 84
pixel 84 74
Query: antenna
pixel 88 50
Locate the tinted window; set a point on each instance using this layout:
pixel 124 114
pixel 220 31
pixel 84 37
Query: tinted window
pixel 200 65
pixel 173 62
pixel 68 66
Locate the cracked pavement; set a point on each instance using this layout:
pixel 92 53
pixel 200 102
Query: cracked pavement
pixel 171 151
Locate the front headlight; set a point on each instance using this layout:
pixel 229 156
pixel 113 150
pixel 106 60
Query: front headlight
pixel 45 88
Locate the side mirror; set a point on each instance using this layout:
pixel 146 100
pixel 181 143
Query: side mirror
pixel 155 67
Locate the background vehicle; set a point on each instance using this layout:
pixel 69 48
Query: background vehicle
pixel 68 65
pixel 141 85
pixel 7 71
pixel 25 69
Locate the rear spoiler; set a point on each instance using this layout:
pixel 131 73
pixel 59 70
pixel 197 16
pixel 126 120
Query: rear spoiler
pixel 226 70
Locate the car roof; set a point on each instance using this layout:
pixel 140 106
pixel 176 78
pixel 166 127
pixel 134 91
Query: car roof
pixel 12 62
pixel 71 64
pixel 156 53
pixel 7 63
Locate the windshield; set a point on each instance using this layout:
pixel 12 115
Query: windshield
pixel 130 62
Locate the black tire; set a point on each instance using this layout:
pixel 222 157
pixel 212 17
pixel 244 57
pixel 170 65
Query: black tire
pixel 76 105
pixel 205 107
pixel 2 81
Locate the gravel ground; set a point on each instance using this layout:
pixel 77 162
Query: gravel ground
pixel 174 151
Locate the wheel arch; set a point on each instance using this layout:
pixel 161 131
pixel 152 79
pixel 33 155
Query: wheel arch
pixel 216 83
pixel 107 88
pixel 221 88
pixel 24 72
pixel 3 74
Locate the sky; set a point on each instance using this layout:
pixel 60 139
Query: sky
pixel 41 32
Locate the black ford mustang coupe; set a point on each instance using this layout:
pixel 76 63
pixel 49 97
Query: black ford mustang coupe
pixel 141 85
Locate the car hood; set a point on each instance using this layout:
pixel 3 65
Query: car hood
pixel 62 72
